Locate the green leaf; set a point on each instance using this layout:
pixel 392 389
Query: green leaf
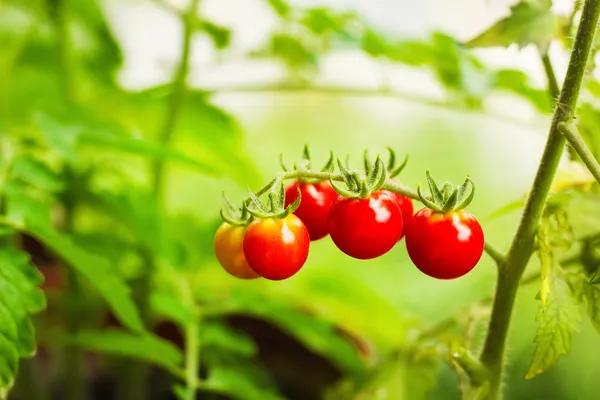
pixel 517 82
pixel 220 35
pixel 292 50
pixel 96 269
pixel 171 307
pixel 322 20
pixel 223 339
pixel 591 294
pixel 281 7
pixel 529 22
pixel 145 347
pixel 236 385
pixel 547 262
pixel 19 297
pixel 557 320
pixel 37 174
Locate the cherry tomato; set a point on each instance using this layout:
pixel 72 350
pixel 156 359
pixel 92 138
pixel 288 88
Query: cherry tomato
pixel 276 248
pixel 228 245
pixel 314 206
pixel 444 245
pixel 365 228
pixel 406 208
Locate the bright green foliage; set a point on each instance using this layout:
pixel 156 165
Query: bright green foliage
pixel 529 22
pixel 558 316
pixel 237 385
pixel 144 347
pixel 96 270
pixel 19 298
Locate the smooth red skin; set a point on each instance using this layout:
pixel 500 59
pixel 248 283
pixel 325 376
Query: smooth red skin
pixel 229 251
pixel 314 205
pixel 406 208
pixel 444 245
pixel 365 228
pixel 276 248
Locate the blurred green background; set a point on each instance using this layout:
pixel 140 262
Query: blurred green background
pixel 86 93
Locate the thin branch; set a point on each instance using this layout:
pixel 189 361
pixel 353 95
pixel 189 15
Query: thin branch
pixel 553 89
pixel 571 133
pixel 495 254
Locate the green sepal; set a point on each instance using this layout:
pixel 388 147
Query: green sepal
pixel 393 172
pixel 257 203
pixel 378 184
pixel 346 174
pixel 329 165
pixel 341 191
pixel 392 159
pixel 283 166
pixel 428 203
pixel 450 202
pixel 276 204
pixel 367 162
pixel 228 211
pixel 436 194
pixel 375 172
pixel 464 203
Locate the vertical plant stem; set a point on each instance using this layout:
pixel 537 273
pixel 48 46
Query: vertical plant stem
pixel 553 89
pixel 520 251
pixel 74 380
pixel 138 372
pixel 192 358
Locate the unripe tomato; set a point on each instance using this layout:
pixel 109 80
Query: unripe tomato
pixel 228 247
pixel 365 228
pixel 316 198
pixel 276 248
pixel 406 208
pixel 444 245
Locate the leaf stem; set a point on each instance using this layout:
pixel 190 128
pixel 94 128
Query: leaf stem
pixel 492 355
pixel 571 133
pixel 553 89
pixel 192 358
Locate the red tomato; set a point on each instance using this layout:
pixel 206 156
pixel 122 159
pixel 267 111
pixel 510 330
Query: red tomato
pixel 406 208
pixel 276 248
pixel 316 198
pixel 229 241
pixel 365 228
pixel 444 245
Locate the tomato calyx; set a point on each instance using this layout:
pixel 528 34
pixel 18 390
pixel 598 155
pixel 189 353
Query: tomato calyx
pixel 393 170
pixel 361 185
pixel 305 165
pixel 275 206
pixel 450 197
pixel 234 216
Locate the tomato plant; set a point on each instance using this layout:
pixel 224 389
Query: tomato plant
pixel 229 250
pixel 314 208
pixel 365 228
pixel 277 248
pixel 120 281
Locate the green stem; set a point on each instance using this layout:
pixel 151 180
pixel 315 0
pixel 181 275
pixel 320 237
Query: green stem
pixel 570 132
pixel 74 381
pixel 138 371
pixel 553 89
pixel 492 355
pixel 192 358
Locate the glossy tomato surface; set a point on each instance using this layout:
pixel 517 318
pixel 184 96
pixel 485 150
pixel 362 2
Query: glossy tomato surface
pixel 276 248
pixel 365 228
pixel 406 208
pixel 444 245
pixel 229 251
pixel 314 205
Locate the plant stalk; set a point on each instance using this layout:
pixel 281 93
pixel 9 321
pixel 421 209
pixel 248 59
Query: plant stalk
pixel 571 133
pixel 520 251
pixel 192 358
pixel 138 372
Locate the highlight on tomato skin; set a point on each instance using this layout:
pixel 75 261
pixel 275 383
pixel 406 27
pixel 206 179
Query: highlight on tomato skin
pixel 314 206
pixel 406 208
pixel 365 228
pixel 444 245
pixel 228 247
pixel 276 249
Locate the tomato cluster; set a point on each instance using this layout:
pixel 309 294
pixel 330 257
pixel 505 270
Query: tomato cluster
pixel 364 221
